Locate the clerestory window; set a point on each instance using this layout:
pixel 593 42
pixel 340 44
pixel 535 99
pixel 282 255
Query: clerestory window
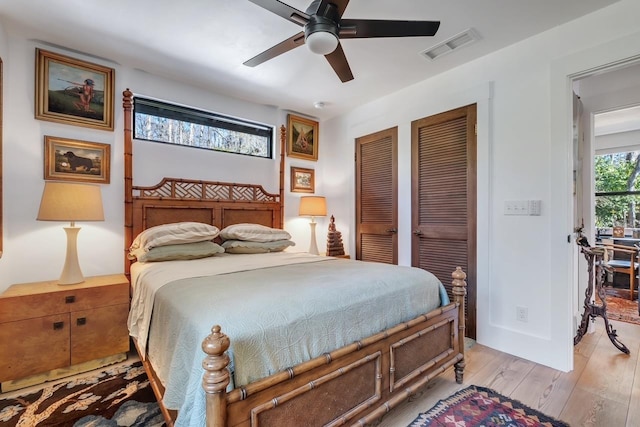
pixel 175 124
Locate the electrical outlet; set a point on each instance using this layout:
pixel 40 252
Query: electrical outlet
pixel 522 314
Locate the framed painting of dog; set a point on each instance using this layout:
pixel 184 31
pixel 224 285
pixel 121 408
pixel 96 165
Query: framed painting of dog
pixel 302 138
pixel 74 92
pixel 74 160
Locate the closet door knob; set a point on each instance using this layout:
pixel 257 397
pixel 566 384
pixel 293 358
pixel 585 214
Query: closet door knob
pixel 417 232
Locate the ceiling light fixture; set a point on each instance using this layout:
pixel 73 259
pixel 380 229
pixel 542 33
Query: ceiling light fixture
pixel 319 105
pixel 322 42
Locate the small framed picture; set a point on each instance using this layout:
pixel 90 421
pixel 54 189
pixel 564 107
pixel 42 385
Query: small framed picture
pixel 302 138
pixel 302 180
pixel 73 160
pixel 73 92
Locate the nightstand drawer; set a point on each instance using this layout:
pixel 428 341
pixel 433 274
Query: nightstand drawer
pixel 32 306
pixel 89 298
pixel 33 345
pixel 30 300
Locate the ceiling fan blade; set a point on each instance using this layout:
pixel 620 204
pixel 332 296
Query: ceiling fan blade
pixel 338 62
pixel 279 49
pixel 339 5
pixel 284 10
pixel 366 28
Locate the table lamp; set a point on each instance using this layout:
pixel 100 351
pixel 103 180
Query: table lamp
pixel 71 202
pixel 313 206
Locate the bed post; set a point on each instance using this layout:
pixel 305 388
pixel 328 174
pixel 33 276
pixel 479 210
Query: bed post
pixel 283 136
pixel 216 377
pixel 127 105
pixel 459 292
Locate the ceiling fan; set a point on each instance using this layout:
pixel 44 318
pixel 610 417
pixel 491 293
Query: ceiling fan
pixel 324 27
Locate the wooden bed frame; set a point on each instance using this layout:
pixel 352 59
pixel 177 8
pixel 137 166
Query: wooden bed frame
pixel 355 384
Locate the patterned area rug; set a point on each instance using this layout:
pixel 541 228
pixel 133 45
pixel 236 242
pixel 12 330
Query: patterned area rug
pixel 482 407
pixel 623 310
pixel 119 395
pixel 620 307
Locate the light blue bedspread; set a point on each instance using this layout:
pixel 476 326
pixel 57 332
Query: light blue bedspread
pixel 276 317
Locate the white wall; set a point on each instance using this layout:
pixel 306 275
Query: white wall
pixel 524 135
pixel 4 52
pixel 34 250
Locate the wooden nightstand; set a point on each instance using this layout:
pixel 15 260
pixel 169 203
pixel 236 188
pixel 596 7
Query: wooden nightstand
pixel 45 327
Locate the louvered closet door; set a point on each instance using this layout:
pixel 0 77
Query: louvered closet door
pixel 444 199
pixel 377 197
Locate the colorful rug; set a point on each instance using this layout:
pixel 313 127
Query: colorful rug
pixel 620 307
pixel 116 396
pixel 623 310
pixel 482 407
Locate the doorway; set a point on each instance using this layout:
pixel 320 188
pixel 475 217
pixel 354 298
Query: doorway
pixel 608 121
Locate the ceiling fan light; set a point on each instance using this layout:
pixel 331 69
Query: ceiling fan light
pixel 322 42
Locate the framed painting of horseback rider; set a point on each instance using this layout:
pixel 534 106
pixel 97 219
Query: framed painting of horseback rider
pixel 302 138
pixel 73 91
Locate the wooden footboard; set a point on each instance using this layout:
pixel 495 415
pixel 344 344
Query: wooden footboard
pixel 355 384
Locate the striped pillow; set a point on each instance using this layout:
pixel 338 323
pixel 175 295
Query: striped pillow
pixel 174 234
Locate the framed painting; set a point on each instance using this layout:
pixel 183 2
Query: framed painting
pixel 74 92
pixel 302 180
pixel 303 138
pixel 73 160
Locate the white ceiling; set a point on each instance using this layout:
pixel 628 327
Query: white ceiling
pixel 610 86
pixel 205 42
pixel 623 120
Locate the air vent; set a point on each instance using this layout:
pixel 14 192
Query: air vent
pixel 463 39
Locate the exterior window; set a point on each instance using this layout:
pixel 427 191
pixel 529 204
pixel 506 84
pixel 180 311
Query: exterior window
pixel 617 192
pixel 174 124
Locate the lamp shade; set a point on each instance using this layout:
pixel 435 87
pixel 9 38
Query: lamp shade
pixel 62 201
pixel 312 206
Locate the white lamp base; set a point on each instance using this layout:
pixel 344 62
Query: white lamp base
pixel 313 246
pixel 71 272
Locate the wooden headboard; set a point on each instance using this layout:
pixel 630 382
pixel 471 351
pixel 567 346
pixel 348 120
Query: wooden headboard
pixel 176 200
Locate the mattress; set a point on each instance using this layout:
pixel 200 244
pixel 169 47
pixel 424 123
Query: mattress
pixel 279 310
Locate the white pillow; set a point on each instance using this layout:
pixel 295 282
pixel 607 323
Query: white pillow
pixel 174 234
pixel 253 233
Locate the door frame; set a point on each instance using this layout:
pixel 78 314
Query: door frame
pixel 562 248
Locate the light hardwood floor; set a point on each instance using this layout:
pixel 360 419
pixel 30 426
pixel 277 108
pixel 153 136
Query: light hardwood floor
pixel 602 390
